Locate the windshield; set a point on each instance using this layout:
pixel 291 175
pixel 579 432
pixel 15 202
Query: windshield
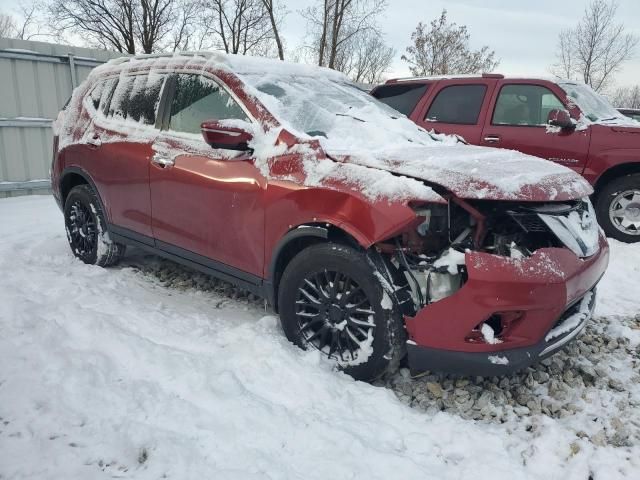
pixel 594 106
pixel 338 113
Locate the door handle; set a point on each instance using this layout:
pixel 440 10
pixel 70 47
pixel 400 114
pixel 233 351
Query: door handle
pixel 162 162
pixel 491 138
pixel 94 142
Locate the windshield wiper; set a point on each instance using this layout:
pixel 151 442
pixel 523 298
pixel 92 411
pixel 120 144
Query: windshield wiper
pixel 350 116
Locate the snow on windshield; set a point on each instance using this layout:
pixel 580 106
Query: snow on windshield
pixel 338 113
pixel 594 106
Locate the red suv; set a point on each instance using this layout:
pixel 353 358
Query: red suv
pixel 371 237
pixel 559 120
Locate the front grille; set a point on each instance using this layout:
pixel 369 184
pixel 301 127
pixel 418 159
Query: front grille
pixel 530 222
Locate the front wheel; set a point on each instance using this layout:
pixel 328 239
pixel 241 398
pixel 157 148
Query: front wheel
pixel 618 208
pixel 330 299
pixel 85 225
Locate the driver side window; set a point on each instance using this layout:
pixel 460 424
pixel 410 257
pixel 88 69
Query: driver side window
pixel 197 99
pixel 525 105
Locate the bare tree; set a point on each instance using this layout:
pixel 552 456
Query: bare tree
pixel 273 18
pixel 181 37
pixel 26 23
pixel 443 48
pixel 596 48
pixel 626 97
pixel 127 26
pixel 335 25
pixel 110 24
pixel 7 26
pixel 154 20
pixel 240 26
pixel 370 57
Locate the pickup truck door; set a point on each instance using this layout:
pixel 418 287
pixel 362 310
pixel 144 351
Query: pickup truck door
pixel 517 120
pixel 456 106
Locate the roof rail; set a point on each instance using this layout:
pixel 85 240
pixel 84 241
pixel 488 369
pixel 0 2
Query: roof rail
pixel 142 56
pixel 445 77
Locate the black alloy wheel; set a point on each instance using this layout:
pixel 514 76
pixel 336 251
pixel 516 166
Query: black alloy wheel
pixel 331 299
pixel 335 315
pixel 82 230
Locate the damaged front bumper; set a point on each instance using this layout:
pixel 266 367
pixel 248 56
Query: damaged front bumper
pixel 539 303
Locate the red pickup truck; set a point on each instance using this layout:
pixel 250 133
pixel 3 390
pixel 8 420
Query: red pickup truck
pixel 559 120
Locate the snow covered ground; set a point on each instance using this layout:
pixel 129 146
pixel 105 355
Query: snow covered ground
pixel 120 373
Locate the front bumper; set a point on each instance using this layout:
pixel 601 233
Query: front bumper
pixel 551 294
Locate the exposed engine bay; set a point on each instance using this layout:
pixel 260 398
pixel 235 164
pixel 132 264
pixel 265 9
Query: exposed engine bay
pixel 431 254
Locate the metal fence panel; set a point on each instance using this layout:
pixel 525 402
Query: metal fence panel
pixel 36 79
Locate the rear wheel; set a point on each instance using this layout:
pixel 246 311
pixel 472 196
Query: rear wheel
pixel 85 225
pixel 618 208
pixel 330 299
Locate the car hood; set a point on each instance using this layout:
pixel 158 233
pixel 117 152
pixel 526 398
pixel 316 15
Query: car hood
pixel 472 172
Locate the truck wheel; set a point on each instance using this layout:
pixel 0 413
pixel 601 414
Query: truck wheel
pixel 330 299
pixel 85 226
pixel 618 208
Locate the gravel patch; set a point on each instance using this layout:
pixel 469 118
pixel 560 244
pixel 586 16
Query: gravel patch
pixel 592 386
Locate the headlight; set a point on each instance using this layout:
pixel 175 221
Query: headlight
pixel 577 228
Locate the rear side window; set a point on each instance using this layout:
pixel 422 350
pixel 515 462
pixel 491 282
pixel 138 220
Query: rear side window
pixel 459 104
pixel 197 99
pixel 137 97
pixel 524 105
pixel 101 94
pixel 402 97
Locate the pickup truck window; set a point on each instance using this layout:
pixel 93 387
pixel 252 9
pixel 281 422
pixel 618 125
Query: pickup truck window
pixel 401 97
pixel 524 105
pixel 459 104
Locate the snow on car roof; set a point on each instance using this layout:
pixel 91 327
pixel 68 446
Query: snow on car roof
pixel 324 105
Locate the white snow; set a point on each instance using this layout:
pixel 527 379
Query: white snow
pixel 498 360
pixel 105 373
pixel 583 313
pixel 489 335
pixel 351 126
pixel 451 258
pixel 595 108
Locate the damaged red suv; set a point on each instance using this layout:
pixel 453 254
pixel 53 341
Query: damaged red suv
pixel 372 238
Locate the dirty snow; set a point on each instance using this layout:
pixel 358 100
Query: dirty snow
pixel 110 373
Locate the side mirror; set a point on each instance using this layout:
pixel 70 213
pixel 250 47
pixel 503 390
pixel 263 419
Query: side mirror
pixel 223 136
pixel 560 118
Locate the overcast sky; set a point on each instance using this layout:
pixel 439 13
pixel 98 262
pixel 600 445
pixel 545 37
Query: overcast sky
pixel 523 33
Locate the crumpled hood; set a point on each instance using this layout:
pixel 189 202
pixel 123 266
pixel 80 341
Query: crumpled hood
pixel 472 172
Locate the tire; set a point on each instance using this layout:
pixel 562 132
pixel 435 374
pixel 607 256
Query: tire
pixel 85 226
pixel 333 323
pixel 622 195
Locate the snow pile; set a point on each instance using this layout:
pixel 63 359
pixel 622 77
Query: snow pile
pixel 105 373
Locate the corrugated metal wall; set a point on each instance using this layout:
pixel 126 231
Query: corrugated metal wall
pixel 36 79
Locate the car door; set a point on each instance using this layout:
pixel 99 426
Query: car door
pixel 120 141
pixel 456 108
pixel 518 121
pixel 206 203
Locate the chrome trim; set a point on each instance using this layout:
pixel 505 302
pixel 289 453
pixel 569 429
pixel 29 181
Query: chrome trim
pixel 564 340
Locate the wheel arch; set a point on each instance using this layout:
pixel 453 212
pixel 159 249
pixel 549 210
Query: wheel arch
pixel 293 242
pixel 74 176
pixel 615 172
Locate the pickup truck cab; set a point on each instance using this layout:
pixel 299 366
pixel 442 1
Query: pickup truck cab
pixel 560 120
